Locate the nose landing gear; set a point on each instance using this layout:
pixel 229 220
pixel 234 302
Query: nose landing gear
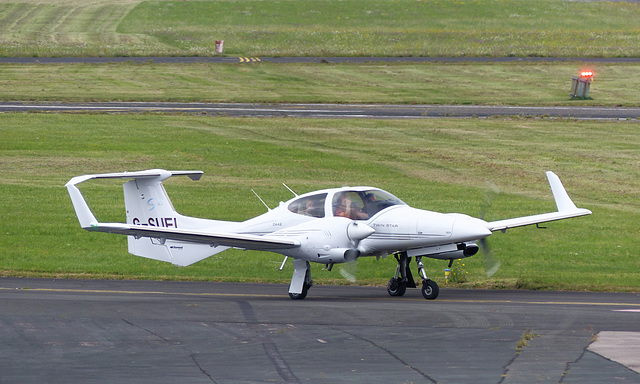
pixel 403 279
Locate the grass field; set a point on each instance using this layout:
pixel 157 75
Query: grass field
pixel 421 161
pixel 442 164
pixel 320 28
pixel 537 84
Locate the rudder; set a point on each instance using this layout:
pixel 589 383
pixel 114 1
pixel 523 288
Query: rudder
pixel 148 204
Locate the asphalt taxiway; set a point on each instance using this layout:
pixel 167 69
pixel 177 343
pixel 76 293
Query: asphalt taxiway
pixel 374 111
pixel 93 331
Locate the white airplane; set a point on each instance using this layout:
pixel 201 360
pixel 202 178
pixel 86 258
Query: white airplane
pixel 329 226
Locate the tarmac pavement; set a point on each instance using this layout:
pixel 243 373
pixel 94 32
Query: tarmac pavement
pixel 93 331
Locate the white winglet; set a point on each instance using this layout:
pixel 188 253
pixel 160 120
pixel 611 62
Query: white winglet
pixel 563 201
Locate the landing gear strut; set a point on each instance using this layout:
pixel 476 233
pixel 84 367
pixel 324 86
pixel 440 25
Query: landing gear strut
pixel 301 280
pixel 403 279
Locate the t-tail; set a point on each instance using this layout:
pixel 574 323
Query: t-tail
pixel 147 204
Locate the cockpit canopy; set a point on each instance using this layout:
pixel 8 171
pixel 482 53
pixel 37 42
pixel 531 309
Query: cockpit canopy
pixel 309 205
pixel 353 203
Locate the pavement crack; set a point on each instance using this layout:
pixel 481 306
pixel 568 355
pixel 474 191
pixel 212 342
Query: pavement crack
pixel 270 348
pixel 148 331
pixel 390 353
pixel 505 369
pixel 523 342
pixel 192 354
pixel 204 372
pixel 576 361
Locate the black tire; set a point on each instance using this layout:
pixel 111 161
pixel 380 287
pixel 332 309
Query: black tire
pixel 302 295
pixel 396 288
pixel 430 289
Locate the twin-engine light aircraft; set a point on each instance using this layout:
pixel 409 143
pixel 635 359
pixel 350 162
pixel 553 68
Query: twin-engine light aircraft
pixel 329 226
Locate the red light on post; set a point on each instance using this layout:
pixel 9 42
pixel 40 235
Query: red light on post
pixel 588 75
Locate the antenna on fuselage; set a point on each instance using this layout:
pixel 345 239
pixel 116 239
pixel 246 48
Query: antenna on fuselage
pixel 262 201
pixel 290 190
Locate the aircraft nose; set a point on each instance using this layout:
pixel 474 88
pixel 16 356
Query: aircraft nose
pixel 469 229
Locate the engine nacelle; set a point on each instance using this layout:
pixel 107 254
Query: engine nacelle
pixel 447 251
pixel 337 256
pixel 468 249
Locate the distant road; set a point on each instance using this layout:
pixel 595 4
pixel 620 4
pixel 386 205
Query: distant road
pixel 258 59
pixel 374 111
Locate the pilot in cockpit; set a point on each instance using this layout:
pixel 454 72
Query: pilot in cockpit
pixel 310 208
pixel 349 209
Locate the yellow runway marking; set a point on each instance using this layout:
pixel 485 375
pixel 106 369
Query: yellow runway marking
pixel 249 59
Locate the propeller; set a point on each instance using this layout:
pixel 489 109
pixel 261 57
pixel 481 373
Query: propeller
pixel 348 271
pixel 356 231
pixel 491 264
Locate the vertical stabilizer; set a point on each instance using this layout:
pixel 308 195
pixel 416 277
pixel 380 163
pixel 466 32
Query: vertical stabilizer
pixel 147 204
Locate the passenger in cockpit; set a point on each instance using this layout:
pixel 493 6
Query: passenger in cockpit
pixel 310 208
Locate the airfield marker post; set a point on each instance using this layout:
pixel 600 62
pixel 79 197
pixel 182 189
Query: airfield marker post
pixel 219 46
pixel 580 84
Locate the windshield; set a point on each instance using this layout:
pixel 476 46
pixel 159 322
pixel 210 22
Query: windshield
pixel 361 205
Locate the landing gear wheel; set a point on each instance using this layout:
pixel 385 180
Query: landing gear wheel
pixel 302 295
pixel 395 287
pixel 430 289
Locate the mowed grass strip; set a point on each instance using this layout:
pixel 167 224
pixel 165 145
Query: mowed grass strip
pixel 538 84
pixel 320 28
pixel 423 162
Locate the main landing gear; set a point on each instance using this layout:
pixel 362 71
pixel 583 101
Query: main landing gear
pixel 301 280
pixel 403 279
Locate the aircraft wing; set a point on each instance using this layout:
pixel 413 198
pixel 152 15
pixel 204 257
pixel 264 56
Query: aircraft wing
pixel 243 241
pixel 566 209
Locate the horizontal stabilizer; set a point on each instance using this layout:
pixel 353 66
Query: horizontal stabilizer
pixel 151 173
pixel 84 213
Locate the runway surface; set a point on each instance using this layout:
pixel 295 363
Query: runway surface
pixel 377 111
pixel 61 331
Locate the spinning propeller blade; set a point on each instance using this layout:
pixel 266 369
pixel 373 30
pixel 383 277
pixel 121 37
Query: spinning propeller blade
pixel 491 265
pixel 348 271
pixel 356 231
